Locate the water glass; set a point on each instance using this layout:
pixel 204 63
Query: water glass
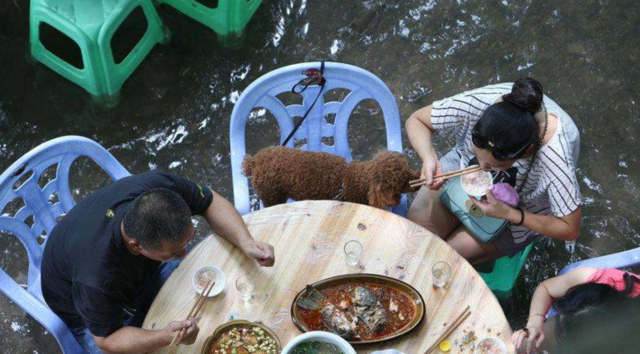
pixel 244 284
pixel 441 274
pixel 353 252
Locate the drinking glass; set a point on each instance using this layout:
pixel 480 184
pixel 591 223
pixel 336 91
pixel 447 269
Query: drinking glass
pixel 353 251
pixel 244 284
pixel 441 273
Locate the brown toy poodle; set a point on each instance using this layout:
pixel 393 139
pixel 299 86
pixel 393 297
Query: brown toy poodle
pixel 279 173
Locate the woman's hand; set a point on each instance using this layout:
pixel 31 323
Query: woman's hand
pixel 262 252
pixel 430 168
pixel 532 335
pixel 492 207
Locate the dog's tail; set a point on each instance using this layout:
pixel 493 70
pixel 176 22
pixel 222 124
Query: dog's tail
pixel 248 165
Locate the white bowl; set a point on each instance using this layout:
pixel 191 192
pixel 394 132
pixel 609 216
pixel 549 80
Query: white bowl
pixel 221 280
pixel 481 195
pixel 320 336
pixel 499 343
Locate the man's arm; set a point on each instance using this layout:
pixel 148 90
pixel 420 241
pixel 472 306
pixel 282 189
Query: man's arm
pixel 225 220
pixel 133 340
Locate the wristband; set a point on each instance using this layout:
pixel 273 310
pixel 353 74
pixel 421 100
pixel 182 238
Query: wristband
pixel 521 217
pixel 536 314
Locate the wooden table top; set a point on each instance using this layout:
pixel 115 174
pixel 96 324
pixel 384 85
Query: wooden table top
pixel 308 238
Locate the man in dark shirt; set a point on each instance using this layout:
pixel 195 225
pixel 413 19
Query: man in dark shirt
pixel 106 260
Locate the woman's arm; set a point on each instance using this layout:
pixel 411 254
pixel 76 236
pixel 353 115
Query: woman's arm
pixel 542 300
pixel 419 129
pixel 566 228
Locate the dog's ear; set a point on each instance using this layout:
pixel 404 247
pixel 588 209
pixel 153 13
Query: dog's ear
pixel 247 165
pixel 388 178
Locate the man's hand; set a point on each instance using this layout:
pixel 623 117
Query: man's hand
pixel 175 327
pixel 262 252
pixel 495 208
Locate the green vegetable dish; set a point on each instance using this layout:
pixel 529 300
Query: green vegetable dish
pixel 316 347
pixel 245 340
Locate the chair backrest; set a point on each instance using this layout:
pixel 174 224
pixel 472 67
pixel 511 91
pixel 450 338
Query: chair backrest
pixel 263 93
pixel 623 259
pixel 21 181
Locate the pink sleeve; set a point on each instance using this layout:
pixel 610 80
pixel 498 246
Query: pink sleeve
pixel 615 279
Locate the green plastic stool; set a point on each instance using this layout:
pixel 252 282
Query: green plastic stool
pixel 505 272
pixel 230 16
pixel 91 24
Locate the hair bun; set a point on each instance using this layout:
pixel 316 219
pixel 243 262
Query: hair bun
pixel 527 94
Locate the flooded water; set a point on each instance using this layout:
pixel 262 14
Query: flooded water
pixel 173 113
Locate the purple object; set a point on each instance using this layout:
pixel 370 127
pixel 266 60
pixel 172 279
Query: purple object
pixel 505 193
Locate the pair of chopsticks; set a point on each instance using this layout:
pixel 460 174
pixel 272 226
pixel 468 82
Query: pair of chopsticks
pixel 194 311
pixel 452 327
pixel 445 176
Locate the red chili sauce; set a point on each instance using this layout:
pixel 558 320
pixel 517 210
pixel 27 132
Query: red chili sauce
pixel 341 297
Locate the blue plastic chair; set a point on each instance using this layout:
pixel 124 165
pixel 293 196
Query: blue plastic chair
pixel 61 151
pixel 262 94
pixel 623 259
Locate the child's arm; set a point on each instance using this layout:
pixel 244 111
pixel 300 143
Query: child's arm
pixel 542 300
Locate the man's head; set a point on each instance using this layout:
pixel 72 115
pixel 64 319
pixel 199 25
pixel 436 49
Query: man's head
pixel 158 225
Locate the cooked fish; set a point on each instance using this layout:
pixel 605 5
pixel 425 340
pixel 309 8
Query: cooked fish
pixel 337 321
pixel 334 318
pixel 369 309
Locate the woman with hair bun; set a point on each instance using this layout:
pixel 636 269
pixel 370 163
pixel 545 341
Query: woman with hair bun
pixel 526 140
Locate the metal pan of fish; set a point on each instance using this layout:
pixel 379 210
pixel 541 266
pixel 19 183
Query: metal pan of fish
pixel 361 308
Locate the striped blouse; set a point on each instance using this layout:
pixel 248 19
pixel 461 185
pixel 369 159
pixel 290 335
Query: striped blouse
pixel 552 187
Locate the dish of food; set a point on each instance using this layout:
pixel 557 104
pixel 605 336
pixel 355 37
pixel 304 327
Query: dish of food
pixel 242 337
pixel 204 274
pixel 316 347
pixel 476 184
pixel 203 277
pixel 362 308
pixel 491 346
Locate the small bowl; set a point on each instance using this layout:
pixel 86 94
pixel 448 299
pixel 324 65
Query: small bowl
pixel 479 197
pixel 221 280
pixel 497 342
pixel 320 336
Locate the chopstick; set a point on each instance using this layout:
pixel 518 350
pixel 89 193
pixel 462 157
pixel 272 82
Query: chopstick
pixel 461 317
pixel 194 311
pixel 445 176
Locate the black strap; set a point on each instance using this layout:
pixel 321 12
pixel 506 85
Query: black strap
pixel 521 217
pixel 314 77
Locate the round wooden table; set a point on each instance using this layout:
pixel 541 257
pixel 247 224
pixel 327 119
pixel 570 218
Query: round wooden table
pixel 308 238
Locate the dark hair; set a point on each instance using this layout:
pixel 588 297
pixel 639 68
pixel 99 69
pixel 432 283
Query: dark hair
pixel 155 216
pixel 591 304
pixel 511 125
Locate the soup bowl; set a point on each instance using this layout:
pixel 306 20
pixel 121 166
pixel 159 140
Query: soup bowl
pixel 319 336
pixel 477 191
